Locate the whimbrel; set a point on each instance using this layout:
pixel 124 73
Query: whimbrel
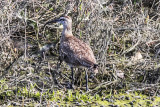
pixel 74 51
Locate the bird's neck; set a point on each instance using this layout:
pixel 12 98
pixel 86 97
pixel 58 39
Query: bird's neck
pixel 67 31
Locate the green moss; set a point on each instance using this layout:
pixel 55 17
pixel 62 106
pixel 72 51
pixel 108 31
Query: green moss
pixel 97 97
pixel 37 95
pixel 51 9
pixel 71 98
pixel 104 103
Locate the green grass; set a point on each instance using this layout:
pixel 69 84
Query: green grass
pixel 72 98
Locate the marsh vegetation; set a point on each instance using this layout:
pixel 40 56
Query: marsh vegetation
pixel 125 38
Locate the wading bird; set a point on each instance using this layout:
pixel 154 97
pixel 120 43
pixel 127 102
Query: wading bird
pixel 74 51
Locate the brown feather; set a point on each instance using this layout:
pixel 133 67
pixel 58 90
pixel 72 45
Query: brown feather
pixel 76 52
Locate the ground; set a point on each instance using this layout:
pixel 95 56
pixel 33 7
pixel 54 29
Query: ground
pixel 124 36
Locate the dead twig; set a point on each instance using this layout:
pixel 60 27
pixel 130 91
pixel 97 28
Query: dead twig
pixel 102 85
pixel 134 46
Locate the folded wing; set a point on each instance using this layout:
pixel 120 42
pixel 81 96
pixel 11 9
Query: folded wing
pixel 76 52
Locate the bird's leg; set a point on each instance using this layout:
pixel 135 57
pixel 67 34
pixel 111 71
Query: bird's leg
pixel 86 80
pixel 56 73
pixel 59 63
pixel 72 83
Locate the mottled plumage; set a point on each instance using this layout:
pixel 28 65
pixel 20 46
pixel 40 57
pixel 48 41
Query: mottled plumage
pixel 74 51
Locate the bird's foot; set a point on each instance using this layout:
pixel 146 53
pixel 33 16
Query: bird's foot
pixel 72 87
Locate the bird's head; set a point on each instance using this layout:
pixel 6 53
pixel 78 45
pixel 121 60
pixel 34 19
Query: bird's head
pixel 64 20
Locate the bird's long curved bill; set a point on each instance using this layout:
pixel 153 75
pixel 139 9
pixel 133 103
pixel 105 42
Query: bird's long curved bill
pixel 52 21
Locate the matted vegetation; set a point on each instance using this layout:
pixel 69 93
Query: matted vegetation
pixel 125 38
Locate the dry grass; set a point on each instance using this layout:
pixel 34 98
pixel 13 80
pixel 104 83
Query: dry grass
pixel 125 37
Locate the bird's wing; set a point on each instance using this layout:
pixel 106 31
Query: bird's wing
pixel 79 51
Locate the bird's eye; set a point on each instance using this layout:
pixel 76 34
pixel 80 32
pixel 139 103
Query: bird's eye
pixel 61 19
